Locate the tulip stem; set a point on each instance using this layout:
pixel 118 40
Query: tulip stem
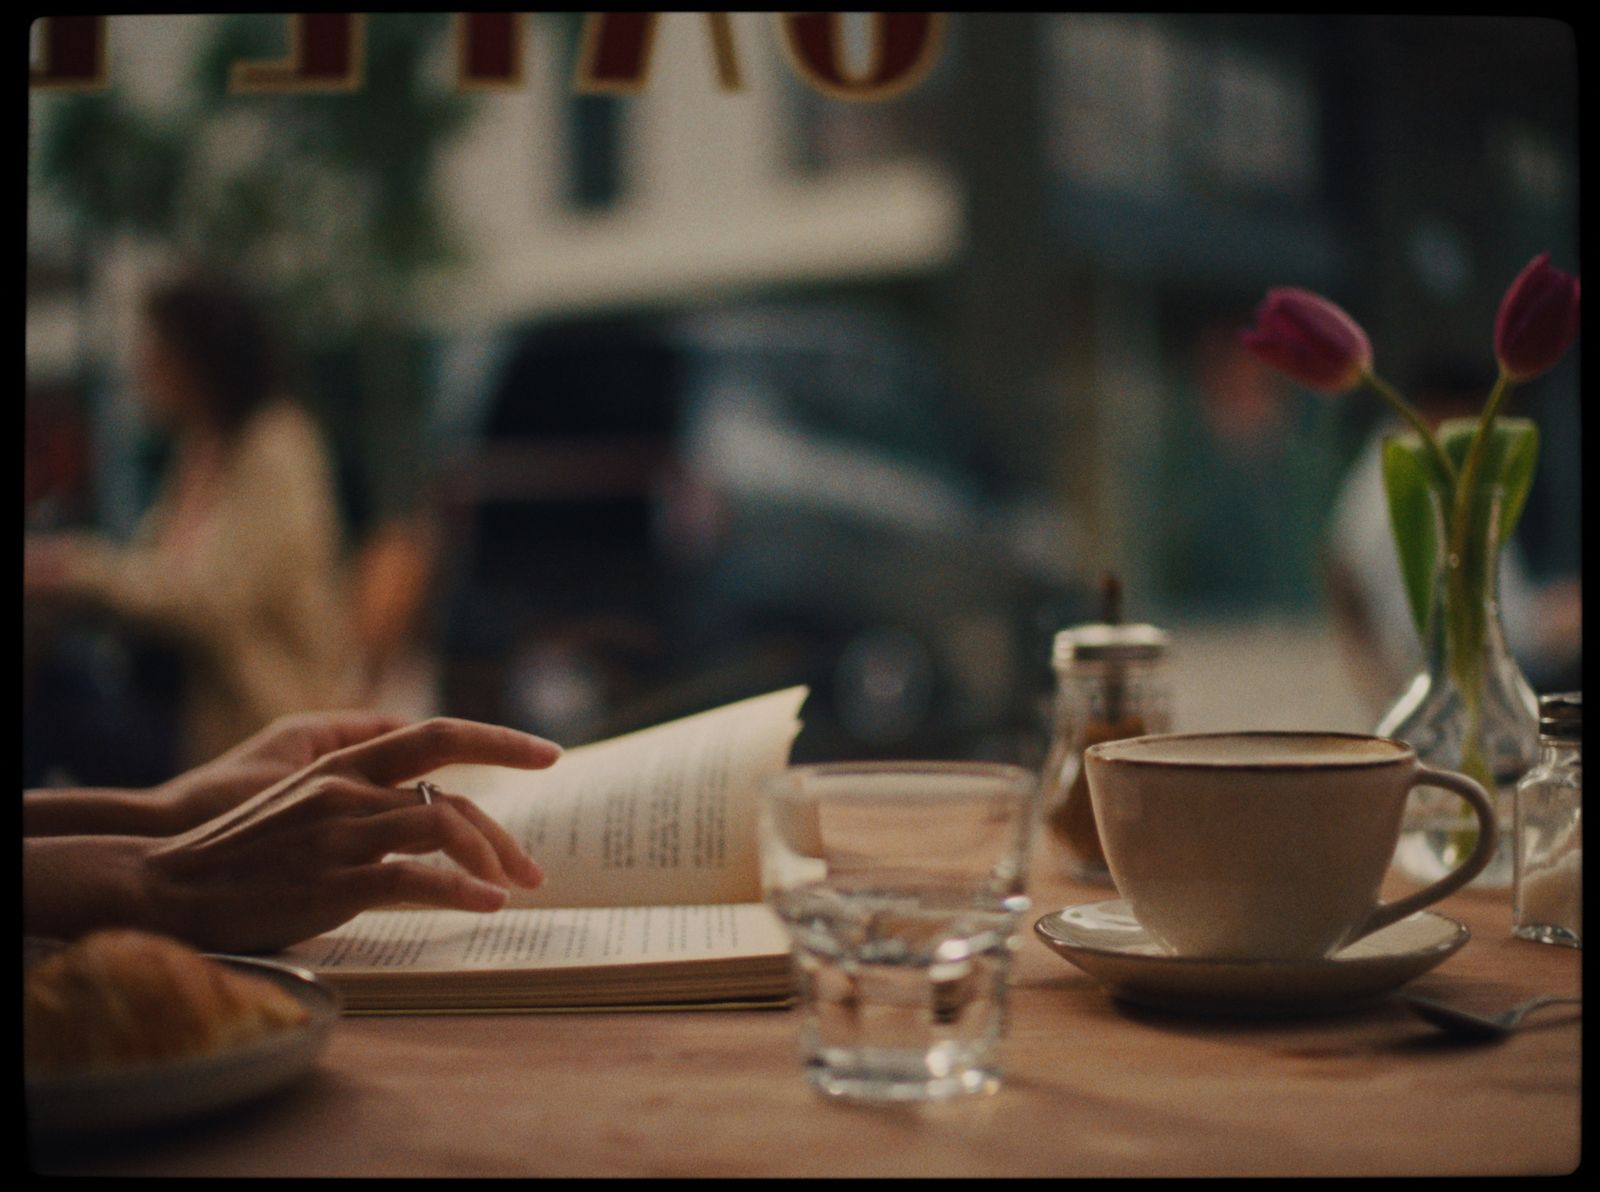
pixel 1473 464
pixel 1447 471
pixel 1469 579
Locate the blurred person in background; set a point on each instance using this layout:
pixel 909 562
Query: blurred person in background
pixel 1543 620
pixel 234 572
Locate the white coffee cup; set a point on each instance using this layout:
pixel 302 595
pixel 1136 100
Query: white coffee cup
pixel 1268 845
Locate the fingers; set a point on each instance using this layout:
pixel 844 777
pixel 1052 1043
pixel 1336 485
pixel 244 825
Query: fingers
pixel 476 843
pixel 303 737
pixel 420 748
pixel 313 734
pixel 452 824
pixel 330 731
pixel 514 862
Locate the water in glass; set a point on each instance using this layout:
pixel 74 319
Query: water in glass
pixel 901 887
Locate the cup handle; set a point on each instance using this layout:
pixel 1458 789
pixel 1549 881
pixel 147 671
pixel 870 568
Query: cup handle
pixel 1488 835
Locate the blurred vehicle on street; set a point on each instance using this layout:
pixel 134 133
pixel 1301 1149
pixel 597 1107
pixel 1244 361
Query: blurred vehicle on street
pixel 649 516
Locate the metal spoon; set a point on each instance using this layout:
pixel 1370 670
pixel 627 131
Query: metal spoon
pixel 1469 1025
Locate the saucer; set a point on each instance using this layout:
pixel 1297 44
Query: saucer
pixel 1106 941
pixel 62 1107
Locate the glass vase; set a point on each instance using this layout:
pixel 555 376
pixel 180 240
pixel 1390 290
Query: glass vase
pixel 1470 709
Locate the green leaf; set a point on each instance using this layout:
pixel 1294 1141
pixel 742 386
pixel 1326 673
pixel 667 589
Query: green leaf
pixel 1509 459
pixel 1407 475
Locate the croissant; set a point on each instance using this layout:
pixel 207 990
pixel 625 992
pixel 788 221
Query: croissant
pixel 120 998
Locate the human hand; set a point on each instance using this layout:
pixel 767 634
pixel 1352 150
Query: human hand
pixel 288 744
pixel 308 853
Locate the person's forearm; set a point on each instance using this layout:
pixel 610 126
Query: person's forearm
pixel 75 884
pixel 82 811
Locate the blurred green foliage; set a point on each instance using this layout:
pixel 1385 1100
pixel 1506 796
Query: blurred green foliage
pixel 325 201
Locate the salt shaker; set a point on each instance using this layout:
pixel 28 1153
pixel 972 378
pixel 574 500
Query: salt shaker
pixel 1547 881
pixel 1111 683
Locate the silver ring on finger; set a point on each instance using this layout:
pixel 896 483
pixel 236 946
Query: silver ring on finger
pixel 428 791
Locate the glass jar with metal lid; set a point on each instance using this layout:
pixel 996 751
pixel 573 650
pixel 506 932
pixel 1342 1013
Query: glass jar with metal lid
pixel 1547 842
pixel 1111 682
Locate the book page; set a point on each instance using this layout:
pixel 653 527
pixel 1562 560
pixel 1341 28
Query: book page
pixel 665 815
pixel 459 941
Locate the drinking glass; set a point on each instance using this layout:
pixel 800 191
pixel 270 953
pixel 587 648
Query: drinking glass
pixel 901 884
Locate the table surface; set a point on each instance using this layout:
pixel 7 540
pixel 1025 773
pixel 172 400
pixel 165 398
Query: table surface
pixel 1093 1088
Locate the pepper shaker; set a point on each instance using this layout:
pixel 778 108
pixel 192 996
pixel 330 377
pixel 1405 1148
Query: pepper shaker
pixel 1547 838
pixel 1111 683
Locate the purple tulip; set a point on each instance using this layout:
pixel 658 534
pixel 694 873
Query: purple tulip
pixel 1311 340
pixel 1538 320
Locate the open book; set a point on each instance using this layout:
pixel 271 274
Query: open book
pixel 652 891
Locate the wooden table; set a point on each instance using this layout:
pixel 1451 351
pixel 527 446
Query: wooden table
pixel 1094 1088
